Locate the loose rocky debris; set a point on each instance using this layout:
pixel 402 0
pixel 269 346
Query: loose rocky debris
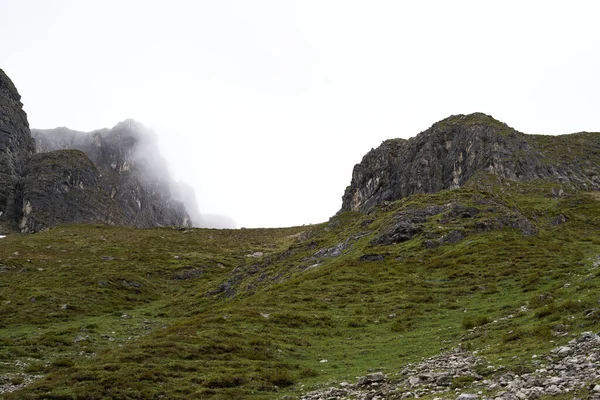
pixel 411 222
pixel 16 381
pixel 574 368
pixel 407 224
pixel 251 276
pixel 338 249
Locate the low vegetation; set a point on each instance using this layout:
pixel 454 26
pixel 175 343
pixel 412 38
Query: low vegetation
pixel 93 312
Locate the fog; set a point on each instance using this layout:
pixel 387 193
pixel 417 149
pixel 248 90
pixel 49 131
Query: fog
pixel 264 107
pixel 136 151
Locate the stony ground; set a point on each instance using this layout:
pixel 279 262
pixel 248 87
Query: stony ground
pixel 567 369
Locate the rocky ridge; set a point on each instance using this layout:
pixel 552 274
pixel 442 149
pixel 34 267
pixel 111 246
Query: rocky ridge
pixel 457 148
pixel 462 375
pixel 132 171
pixel 108 176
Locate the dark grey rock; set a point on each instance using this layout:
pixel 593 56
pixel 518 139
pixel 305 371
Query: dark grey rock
pixel 108 176
pixel 372 257
pixel 457 148
pixel 559 220
pixel 131 172
pixel 401 231
pixel 64 187
pixel 452 237
pixel 16 145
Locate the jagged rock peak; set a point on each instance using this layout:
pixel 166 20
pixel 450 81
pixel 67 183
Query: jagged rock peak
pixel 453 150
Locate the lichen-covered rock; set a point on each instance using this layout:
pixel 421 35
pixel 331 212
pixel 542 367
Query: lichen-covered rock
pixel 16 145
pixel 455 149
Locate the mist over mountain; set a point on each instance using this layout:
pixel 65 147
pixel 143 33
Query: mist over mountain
pixel 113 176
pixel 134 173
pixel 185 193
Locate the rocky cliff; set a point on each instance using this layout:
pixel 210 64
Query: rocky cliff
pixel 64 187
pixel 131 168
pixel 16 146
pixel 112 176
pixel 453 150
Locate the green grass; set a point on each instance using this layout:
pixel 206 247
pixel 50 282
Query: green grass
pixel 138 324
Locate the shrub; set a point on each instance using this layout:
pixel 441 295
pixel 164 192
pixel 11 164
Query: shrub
pixel 308 372
pixel 545 311
pixel 357 323
pixel 401 325
pixel 462 381
pixel 62 363
pixel 225 381
pixel 280 378
pixel 478 320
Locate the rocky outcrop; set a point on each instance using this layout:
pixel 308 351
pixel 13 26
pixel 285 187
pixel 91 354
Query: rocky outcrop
pixel 455 149
pixel 131 171
pixel 64 187
pixel 16 145
pixel 112 176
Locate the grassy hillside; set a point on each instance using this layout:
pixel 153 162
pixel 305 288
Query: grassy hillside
pixel 503 268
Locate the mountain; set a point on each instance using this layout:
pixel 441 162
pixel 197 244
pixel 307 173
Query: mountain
pixel 114 176
pixel 453 150
pixel 485 289
pixel 133 172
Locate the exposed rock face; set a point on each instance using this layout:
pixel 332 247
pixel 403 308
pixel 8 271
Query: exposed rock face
pixel 117 177
pixel 132 171
pixel 16 145
pixel 449 153
pixel 64 187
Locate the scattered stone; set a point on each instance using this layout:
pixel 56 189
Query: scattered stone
pixel 452 237
pixel 564 351
pixel 568 369
pixel 467 396
pixel 559 219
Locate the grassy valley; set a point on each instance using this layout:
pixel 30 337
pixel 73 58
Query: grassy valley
pixel 502 268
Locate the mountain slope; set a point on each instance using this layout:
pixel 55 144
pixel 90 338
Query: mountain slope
pixel 505 268
pixel 446 155
pixel 488 287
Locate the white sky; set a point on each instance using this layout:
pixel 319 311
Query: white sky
pixel 264 107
